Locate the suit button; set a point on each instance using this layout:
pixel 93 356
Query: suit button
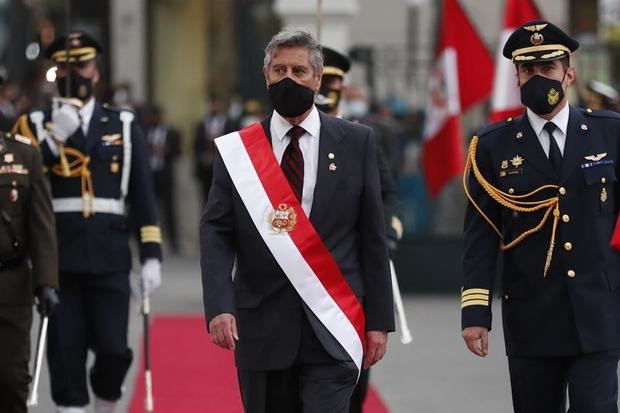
pixel 562 190
pixel 571 273
pixel 565 218
pixel 603 180
pixel 506 297
pixel 511 191
pixel 568 246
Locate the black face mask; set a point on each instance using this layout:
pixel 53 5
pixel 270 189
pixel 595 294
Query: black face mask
pixel 327 99
pixel 289 98
pixel 79 87
pixel 542 94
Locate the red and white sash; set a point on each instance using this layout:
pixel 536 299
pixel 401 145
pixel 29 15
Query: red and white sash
pixel 301 254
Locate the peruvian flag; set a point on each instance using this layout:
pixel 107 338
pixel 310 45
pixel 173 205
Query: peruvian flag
pixel 461 78
pixel 506 100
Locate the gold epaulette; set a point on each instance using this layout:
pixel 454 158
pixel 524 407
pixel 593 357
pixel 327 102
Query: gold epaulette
pixel 517 203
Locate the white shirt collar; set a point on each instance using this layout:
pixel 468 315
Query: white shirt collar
pixel 560 120
pixel 312 124
pixel 86 112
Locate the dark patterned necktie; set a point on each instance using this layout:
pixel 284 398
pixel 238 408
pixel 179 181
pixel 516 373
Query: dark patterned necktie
pixel 293 161
pixel 555 156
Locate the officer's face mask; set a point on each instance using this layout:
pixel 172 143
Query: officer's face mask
pixel 541 94
pixel 328 99
pixel 79 86
pixel 290 99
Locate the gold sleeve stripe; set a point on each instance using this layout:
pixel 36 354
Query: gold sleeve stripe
pixel 150 233
pixel 476 297
pixel 474 291
pixel 474 302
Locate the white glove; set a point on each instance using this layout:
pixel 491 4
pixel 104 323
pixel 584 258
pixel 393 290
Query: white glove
pixel 151 276
pixel 65 121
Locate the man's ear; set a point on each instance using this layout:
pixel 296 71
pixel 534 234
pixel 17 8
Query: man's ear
pixel 570 75
pixel 265 73
pixel 318 78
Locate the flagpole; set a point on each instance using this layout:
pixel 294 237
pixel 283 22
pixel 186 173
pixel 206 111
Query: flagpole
pixel 319 10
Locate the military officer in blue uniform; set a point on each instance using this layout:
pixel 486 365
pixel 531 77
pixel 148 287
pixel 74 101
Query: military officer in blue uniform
pixel 98 167
pixel 543 190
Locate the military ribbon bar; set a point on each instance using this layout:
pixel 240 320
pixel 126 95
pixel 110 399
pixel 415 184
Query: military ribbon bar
pixel 291 238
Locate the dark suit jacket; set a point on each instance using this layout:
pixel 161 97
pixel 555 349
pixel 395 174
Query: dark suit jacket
pixel 558 314
pixel 346 213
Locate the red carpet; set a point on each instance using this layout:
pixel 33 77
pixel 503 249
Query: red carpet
pixel 192 375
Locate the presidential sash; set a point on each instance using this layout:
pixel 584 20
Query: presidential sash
pixel 291 238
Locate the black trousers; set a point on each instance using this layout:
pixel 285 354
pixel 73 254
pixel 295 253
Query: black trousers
pixel 15 323
pixel 316 383
pixel 93 314
pixel 539 384
pixel 360 392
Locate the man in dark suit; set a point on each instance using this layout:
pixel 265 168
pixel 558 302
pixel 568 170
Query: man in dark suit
pixel 164 147
pixel 544 190
pixel 98 169
pixel 28 262
pixel 214 124
pixel 303 189
pixel 335 66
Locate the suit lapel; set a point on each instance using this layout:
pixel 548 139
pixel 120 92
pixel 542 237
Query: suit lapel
pixel 533 152
pixel 576 143
pixel 326 180
pixel 95 128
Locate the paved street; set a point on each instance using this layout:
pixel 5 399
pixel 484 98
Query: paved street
pixel 434 374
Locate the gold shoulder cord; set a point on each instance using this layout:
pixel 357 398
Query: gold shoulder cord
pixel 79 168
pixel 513 202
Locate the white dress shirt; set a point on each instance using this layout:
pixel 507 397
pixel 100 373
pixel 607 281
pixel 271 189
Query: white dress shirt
pixel 309 145
pixel 561 122
pixel 86 113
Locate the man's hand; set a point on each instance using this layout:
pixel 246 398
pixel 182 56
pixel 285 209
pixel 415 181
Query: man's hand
pixel 65 121
pixel 151 276
pixel 223 329
pixel 477 340
pixel 376 345
pixel 47 299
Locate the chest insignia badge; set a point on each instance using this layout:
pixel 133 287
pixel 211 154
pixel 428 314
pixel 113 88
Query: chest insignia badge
pixel 603 195
pixel 595 158
pixel 9 158
pixel 517 161
pixel 504 164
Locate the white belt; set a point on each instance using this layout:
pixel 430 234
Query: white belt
pixel 100 205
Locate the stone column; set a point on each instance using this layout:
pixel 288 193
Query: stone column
pixel 335 19
pixel 128 55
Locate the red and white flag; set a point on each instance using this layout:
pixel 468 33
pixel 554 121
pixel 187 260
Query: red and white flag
pixel 506 100
pixel 461 77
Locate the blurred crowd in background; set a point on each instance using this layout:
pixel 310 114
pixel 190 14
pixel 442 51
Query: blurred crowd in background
pixel 192 71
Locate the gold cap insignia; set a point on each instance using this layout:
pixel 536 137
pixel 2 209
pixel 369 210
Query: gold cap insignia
pixel 537 39
pixel 535 27
pixel 553 97
pixel 517 161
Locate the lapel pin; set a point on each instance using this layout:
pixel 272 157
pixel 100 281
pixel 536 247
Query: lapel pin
pixel 332 167
pixel 331 155
pixel 519 135
pixel 584 126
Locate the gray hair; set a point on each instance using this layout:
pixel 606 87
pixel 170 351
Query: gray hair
pixel 295 38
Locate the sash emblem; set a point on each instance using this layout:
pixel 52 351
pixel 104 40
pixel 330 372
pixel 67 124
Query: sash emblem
pixel 283 219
